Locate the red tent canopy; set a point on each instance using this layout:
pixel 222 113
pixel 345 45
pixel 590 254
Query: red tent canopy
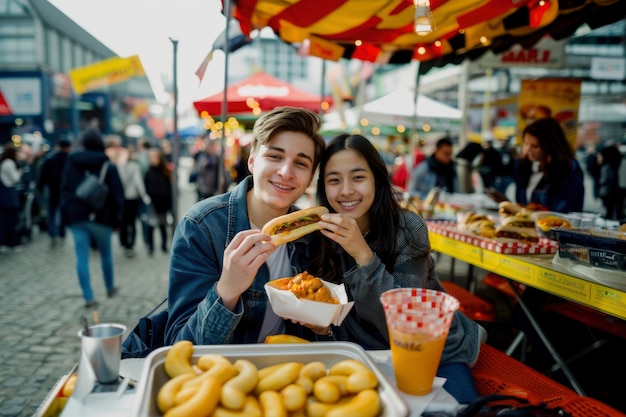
pixel 266 90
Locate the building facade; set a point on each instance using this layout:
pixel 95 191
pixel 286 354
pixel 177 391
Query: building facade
pixel 39 45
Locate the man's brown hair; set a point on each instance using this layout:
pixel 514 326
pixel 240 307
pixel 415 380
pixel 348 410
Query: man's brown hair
pixel 288 119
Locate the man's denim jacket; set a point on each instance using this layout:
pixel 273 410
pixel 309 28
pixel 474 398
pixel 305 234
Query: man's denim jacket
pixel 196 312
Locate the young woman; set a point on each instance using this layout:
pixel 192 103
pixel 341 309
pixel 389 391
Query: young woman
pixel 372 245
pixel 548 173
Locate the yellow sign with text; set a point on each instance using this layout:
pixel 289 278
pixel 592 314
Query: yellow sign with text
pixel 554 97
pixel 103 73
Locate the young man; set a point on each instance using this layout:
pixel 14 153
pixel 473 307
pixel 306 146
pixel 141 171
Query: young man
pixel 220 260
pixel 437 171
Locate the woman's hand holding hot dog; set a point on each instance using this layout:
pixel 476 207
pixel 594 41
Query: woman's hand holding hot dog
pixel 243 257
pixel 345 231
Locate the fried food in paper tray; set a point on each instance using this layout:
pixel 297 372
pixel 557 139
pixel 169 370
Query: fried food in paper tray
pixel 297 305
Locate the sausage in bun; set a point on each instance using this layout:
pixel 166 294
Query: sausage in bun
pixel 292 226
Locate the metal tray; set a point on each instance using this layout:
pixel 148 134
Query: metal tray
pixel 153 376
pixel 53 404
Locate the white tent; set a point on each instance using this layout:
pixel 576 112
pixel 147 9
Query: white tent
pixel 335 123
pixel 398 108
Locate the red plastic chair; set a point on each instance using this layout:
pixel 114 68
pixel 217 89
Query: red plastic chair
pixel 497 373
pixel 472 305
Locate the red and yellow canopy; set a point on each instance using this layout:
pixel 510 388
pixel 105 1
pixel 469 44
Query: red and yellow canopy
pixel 382 30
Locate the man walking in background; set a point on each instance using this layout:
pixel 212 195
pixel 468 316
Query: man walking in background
pixel 50 177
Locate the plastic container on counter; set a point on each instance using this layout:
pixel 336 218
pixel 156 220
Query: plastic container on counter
pixel 596 247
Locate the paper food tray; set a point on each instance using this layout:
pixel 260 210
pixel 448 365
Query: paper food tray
pixel 153 376
pixel 286 305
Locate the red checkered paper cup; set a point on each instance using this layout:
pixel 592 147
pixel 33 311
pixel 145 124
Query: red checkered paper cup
pixel 418 320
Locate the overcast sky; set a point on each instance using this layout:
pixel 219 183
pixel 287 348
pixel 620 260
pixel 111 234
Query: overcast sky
pixel 144 27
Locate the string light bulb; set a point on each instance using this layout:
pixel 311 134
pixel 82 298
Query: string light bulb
pixel 424 23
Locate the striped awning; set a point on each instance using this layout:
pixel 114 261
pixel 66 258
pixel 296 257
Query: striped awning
pixel 382 31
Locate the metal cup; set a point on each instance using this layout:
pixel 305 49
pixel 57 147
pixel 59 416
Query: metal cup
pixel 102 348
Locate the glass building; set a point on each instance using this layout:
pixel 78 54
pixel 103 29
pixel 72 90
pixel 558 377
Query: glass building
pixel 39 45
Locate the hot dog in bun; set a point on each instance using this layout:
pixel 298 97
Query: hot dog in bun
pixel 292 226
pixel 525 234
pixel 507 208
pixel 518 221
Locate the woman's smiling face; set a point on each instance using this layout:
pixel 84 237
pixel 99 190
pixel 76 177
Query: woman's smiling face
pixel 531 147
pixel 350 186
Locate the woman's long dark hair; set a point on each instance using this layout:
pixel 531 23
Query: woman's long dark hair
pixel 383 214
pixel 9 153
pixel 557 154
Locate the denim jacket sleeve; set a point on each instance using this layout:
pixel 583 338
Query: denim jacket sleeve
pixel 196 311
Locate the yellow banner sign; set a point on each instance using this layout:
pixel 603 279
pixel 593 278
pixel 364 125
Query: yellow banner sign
pixel 325 49
pixel 107 72
pixel 550 97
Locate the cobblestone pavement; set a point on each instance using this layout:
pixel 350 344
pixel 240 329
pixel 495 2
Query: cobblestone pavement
pixel 41 307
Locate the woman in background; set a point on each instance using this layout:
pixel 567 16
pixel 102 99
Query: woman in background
pixel 609 159
pixel 548 173
pixel 10 176
pixel 159 188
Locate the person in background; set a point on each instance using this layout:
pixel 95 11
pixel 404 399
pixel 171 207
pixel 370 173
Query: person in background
pixel 10 176
pixel 143 159
pixel 388 155
pixel 548 173
pixel 490 168
pixel 158 183
pixel 593 169
pixel 220 261
pixel 439 170
pixel 206 170
pixel 50 177
pixel 166 148
pixel 609 159
pixel 621 182
pixel 85 225
pixel 467 162
pixel 372 245
pixel 134 191
pixel 399 175
pixel 508 157
pixel 241 166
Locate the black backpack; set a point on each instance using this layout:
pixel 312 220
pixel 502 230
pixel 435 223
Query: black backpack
pixel 148 334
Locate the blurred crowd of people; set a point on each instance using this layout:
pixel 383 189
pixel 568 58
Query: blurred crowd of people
pixel 38 191
pixel 490 166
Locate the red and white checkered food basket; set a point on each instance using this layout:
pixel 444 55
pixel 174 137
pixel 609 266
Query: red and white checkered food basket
pixel 498 244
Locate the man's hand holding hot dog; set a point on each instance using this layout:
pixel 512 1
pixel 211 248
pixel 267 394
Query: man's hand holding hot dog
pixel 345 231
pixel 242 259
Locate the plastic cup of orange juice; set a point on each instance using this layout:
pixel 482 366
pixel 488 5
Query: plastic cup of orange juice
pixel 418 321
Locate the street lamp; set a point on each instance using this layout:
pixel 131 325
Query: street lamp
pixel 175 138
